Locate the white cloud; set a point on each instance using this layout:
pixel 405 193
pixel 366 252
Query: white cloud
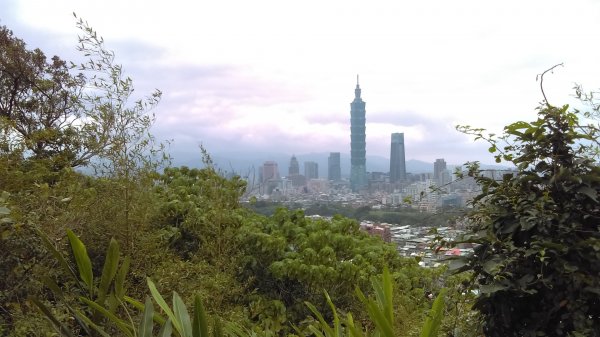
pixel 281 75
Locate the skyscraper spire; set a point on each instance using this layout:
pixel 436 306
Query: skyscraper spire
pixel 358 171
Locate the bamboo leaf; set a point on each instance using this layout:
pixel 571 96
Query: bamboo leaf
pixel 388 292
pixel 122 325
pixel 53 286
pixel 337 329
pixel 57 255
pixel 163 305
pixel 140 306
pixel 233 329
pixel 88 322
pixel 317 332
pixel 61 327
pixel 434 319
pixel 109 270
pixel 324 324
pixel 84 265
pixel 146 324
pixel 217 328
pixel 355 331
pixel 182 316
pixel 378 316
pixel 120 278
pixel 166 330
pixel 200 325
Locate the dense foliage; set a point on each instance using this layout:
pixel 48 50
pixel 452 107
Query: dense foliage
pixel 400 216
pixel 537 231
pixel 289 256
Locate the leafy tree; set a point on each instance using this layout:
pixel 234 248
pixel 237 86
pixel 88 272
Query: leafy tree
pixel 289 258
pixel 200 212
pixel 537 234
pixel 49 111
pixel 128 153
pixel 40 106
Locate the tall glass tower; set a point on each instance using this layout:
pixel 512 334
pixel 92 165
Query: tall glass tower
pixel 294 166
pixel 358 161
pixel 334 168
pixel 397 158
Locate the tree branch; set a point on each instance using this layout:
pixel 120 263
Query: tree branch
pixel 541 77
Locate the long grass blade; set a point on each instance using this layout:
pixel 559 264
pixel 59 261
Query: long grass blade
pixel 84 265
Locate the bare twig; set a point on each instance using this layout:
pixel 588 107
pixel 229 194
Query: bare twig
pixel 541 77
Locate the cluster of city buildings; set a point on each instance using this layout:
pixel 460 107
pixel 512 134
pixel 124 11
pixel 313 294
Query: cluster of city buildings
pixel 397 188
pixel 424 191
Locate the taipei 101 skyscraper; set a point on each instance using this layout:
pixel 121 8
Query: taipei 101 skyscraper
pixel 358 161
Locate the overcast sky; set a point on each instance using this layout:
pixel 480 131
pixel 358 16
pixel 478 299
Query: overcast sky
pixel 279 76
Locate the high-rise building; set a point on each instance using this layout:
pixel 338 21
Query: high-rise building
pixel 397 158
pixel 269 171
pixel 311 170
pixel 334 168
pixel 294 166
pixel 438 168
pixel 358 161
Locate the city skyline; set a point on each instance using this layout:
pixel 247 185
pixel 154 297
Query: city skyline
pixel 238 75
